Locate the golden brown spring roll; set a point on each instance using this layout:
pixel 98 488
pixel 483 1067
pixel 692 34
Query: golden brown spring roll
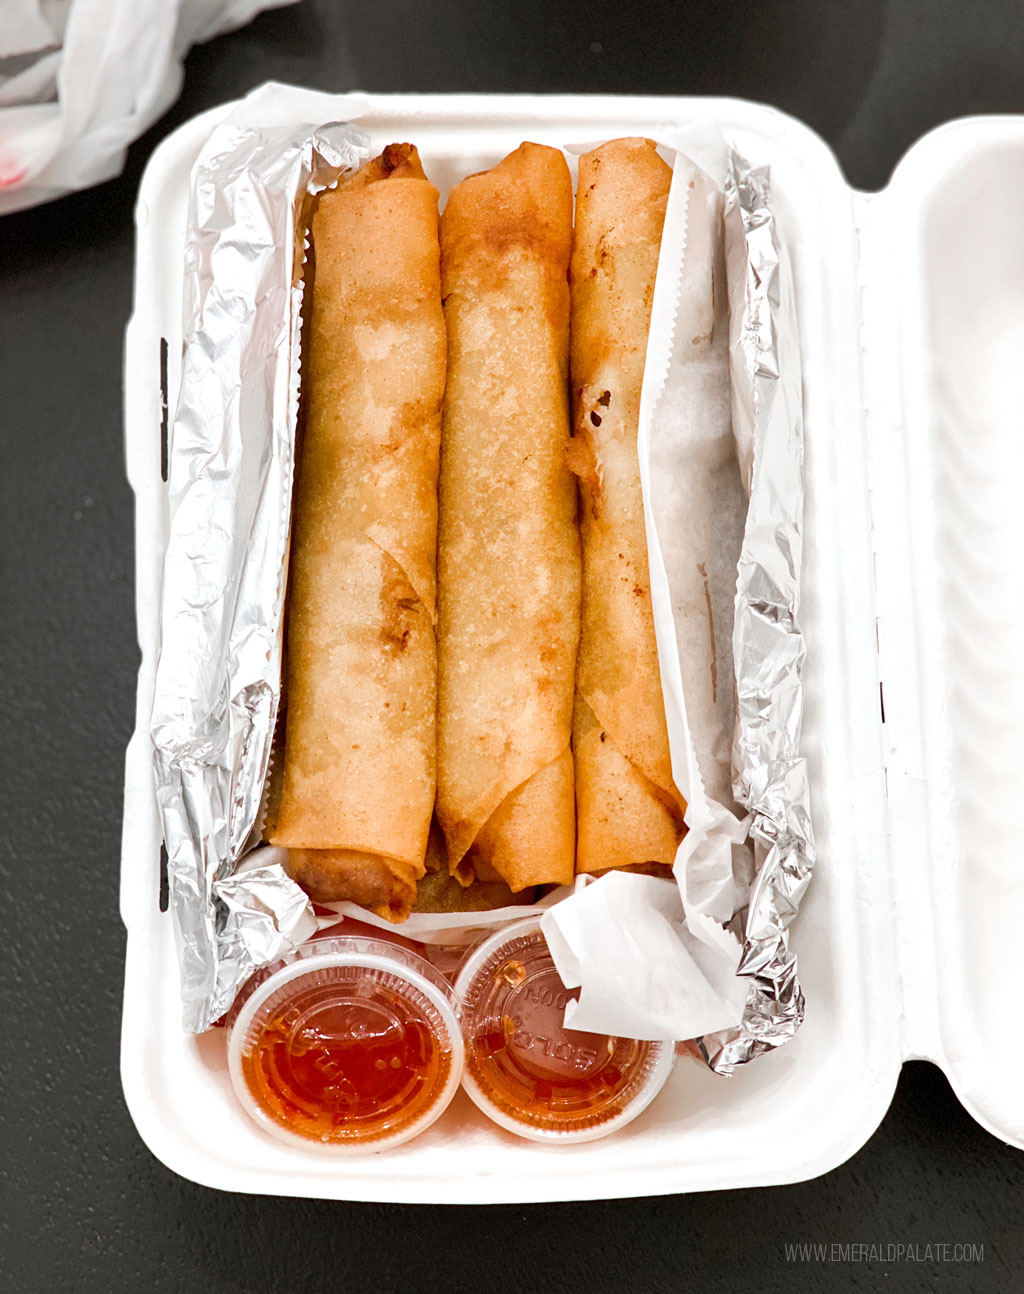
pixel 629 810
pixel 508 544
pixel 357 786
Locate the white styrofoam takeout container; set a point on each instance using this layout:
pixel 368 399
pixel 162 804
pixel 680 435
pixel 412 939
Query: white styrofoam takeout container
pixel 911 307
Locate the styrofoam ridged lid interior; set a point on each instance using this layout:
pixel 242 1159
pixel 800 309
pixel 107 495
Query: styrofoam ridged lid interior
pixel 943 272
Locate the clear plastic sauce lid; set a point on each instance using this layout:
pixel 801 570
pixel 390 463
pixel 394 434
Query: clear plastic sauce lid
pixel 348 1044
pixel 529 1073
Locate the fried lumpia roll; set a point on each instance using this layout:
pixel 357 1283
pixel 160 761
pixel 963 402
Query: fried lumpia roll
pixel 629 810
pixel 508 544
pixel 357 787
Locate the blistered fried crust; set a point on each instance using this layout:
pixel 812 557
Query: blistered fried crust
pixel 359 743
pixel 629 810
pixel 382 885
pixel 508 553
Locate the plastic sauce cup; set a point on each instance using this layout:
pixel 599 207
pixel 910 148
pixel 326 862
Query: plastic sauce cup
pixel 529 1073
pixel 347 1045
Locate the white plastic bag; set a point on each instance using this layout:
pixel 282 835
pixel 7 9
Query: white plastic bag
pixel 81 79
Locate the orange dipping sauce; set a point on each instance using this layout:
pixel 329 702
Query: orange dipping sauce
pixel 347 1054
pixel 535 1067
pixel 525 1069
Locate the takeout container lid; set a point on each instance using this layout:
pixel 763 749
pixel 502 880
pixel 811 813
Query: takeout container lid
pixel 513 1002
pixel 323 1040
pixel 911 308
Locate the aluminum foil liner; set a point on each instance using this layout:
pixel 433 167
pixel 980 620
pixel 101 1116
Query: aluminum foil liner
pixel 768 648
pixel 229 487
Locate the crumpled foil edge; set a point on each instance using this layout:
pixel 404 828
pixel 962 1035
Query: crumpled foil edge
pixel 768 647
pixel 229 491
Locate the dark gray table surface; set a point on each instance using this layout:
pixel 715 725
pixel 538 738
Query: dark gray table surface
pixel 86 1207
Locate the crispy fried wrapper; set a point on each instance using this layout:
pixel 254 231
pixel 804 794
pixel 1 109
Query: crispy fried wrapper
pixel 385 886
pixel 629 810
pixel 508 553
pixel 357 778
